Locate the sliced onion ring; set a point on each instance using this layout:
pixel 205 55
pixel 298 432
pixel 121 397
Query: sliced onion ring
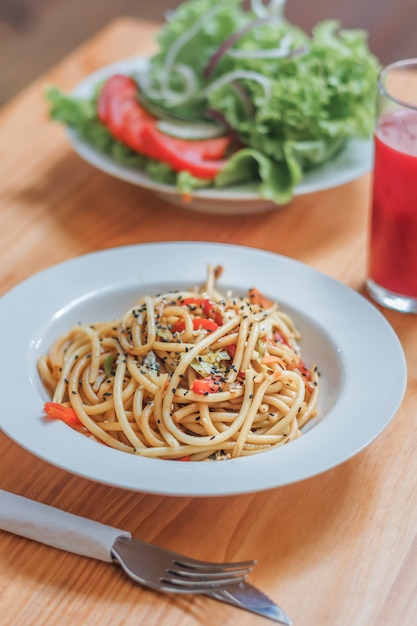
pixel 280 52
pixel 236 75
pixel 187 130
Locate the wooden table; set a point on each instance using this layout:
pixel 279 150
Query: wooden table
pixel 337 549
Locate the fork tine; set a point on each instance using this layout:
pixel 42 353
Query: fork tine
pixel 196 585
pixel 207 574
pixel 211 566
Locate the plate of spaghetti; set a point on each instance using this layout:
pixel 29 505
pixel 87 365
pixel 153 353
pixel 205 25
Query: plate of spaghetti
pixel 134 365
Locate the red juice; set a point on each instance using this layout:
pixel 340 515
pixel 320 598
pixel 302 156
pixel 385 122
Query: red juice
pixel 393 243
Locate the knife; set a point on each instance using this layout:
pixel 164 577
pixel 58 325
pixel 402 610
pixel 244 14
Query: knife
pixel 73 533
pixel 246 596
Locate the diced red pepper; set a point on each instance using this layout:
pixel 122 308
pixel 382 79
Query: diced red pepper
pixel 192 301
pixel 231 350
pixel 302 368
pixel 256 297
pixel 305 372
pixel 268 359
pixel 279 338
pixel 201 322
pixel 198 323
pixel 178 326
pixel 55 410
pixel 212 312
pixel 210 384
pixel 208 307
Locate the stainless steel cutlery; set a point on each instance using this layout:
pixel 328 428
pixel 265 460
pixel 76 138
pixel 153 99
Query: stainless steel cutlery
pixel 148 564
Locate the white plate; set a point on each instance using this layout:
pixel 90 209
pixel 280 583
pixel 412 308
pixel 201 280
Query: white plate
pixel 354 161
pixel 346 336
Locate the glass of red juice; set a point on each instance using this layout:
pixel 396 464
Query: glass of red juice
pixel 392 260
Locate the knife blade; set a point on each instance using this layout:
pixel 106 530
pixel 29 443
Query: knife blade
pixel 246 596
pixel 80 535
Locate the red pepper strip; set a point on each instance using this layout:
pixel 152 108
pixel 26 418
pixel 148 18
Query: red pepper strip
pixel 279 338
pixel 305 372
pixel 270 358
pixel 210 311
pixel 198 323
pixel 192 301
pixel 206 385
pixel 64 413
pixel 256 297
pixel 201 322
pixel 208 307
pixel 178 327
pixel 119 110
pixel 185 458
pixel 231 350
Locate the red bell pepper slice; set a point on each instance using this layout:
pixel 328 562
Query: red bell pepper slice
pixel 192 301
pixel 201 322
pixel 256 297
pixel 279 338
pixel 198 323
pixel 304 370
pixel 231 350
pixel 55 410
pixel 208 307
pixel 211 311
pixel 206 385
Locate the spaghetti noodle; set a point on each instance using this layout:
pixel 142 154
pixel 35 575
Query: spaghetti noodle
pixel 191 375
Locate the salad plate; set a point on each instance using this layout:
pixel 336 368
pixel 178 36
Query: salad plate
pixel 354 408
pixel 352 162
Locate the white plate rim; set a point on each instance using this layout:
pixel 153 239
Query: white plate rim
pixel 354 161
pixel 362 411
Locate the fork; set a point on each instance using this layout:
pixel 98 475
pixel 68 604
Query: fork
pixel 148 564
pixel 164 570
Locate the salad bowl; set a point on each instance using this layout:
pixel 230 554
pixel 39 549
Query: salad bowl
pixel 352 162
pixel 262 114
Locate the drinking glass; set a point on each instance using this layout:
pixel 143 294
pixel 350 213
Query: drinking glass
pixel 392 259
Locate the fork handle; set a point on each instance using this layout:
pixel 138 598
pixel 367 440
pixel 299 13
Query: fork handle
pixel 57 528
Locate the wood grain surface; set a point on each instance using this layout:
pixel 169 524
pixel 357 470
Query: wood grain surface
pixel 334 550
